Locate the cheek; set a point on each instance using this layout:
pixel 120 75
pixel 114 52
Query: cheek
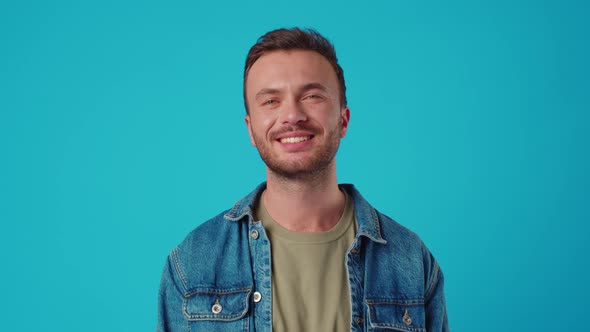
pixel 262 124
pixel 267 122
pixel 332 121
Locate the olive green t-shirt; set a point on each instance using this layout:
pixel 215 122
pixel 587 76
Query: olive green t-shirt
pixel 309 280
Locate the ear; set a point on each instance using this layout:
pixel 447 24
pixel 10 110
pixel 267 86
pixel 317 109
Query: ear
pixel 344 119
pixel 249 126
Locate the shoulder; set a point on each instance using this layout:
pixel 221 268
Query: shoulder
pixel 207 234
pixel 407 249
pixel 397 234
pixel 218 249
pixel 209 252
pixel 386 233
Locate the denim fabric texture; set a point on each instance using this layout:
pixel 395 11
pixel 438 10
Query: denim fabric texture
pixel 209 279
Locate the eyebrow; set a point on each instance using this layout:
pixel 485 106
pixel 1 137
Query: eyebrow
pixel 267 91
pixel 306 87
pixel 312 86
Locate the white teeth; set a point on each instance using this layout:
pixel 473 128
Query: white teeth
pixel 295 139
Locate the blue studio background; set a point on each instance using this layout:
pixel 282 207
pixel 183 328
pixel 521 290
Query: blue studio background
pixel 121 129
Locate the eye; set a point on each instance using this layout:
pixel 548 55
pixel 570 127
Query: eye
pixel 314 98
pixel 269 102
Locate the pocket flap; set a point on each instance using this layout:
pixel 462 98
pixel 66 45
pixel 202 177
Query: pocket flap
pixel 399 315
pixel 216 304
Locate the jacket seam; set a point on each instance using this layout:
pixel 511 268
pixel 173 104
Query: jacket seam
pixel 178 268
pixel 212 291
pixel 398 327
pixel 377 226
pixel 433 282
pixel 392 301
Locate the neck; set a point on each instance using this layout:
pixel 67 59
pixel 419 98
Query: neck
pixel 313 204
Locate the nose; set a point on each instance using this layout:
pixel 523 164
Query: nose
pixel 292 112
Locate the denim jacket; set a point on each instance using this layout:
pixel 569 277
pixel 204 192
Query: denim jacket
pixel 219 277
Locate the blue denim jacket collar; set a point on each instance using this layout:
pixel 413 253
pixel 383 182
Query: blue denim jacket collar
pixel 366 216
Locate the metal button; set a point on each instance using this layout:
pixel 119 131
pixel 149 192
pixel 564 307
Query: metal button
pixel 216 308
pixel 359 320
pixel 257 297
pixel 407 319
pixel 354 251
pixel 254 234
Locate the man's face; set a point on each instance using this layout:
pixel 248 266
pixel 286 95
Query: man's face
pixel 296 120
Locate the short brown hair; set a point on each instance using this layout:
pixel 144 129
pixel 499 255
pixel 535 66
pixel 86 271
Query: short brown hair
pixel 295 39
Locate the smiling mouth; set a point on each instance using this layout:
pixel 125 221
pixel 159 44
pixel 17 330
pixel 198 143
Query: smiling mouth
pixel 291 140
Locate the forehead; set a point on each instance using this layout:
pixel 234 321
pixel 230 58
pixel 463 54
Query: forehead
pixel 290 68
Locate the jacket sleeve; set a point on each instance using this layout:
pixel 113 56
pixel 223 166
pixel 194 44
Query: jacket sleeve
pixel 435 305
pixel 170 301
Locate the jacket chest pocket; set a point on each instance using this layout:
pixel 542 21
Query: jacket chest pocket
pixel 396 315
pixel 217 309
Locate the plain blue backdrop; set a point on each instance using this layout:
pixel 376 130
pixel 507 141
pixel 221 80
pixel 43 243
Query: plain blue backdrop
pixel 121 129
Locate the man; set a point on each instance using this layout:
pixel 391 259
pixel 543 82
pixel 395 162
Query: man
pixel 300 253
